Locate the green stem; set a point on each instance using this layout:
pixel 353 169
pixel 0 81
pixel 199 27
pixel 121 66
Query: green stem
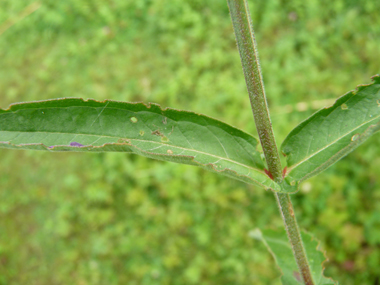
pixel 286 208
pixel 245 38
pixel 246 43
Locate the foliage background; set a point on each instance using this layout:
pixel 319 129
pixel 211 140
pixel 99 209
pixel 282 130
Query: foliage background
pixel 70 218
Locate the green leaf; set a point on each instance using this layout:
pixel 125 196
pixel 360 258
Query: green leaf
pixel 148 130
pixel 278 245
pixel 333 132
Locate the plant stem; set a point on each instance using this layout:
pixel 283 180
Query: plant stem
pixel 287 212
pixel 246 43
pixel 245 38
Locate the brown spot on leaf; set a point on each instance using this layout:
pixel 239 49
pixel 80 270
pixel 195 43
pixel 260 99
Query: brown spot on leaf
pixel 297 275
pixel 157 133
pixel 124 141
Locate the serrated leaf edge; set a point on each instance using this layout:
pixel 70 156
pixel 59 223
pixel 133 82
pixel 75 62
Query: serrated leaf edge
pixel 258 235
pixel 319 248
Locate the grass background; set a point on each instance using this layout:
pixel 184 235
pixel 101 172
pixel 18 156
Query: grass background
pixel 70 218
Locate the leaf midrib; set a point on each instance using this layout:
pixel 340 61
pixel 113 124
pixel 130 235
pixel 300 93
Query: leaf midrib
pixel 122 109
pixel 328 145
pixel 139 140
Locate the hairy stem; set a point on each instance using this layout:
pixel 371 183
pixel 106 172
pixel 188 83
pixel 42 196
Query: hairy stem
pixel 286 208
pixel 245 38
pixel 246 43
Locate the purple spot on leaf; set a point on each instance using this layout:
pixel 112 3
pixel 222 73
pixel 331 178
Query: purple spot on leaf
pixel 76 144
pixel 51 146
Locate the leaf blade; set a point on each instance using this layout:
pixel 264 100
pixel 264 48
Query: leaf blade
pixel 278 245
pixel 332 133
pixel 148 130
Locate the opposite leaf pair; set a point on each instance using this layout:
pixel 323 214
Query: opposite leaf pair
pixel 73 124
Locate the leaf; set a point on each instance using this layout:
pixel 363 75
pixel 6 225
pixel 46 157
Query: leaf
pixel 278 245
pixel 333 132
pixel 73 124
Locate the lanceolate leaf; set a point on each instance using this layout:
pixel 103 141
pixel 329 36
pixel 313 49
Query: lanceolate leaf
pixel 333 132
pixel 278 245
pixel 73 124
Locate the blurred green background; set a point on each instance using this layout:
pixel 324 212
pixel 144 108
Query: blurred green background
pixel 71 218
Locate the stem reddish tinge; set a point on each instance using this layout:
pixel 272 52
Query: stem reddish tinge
pixel 246 43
